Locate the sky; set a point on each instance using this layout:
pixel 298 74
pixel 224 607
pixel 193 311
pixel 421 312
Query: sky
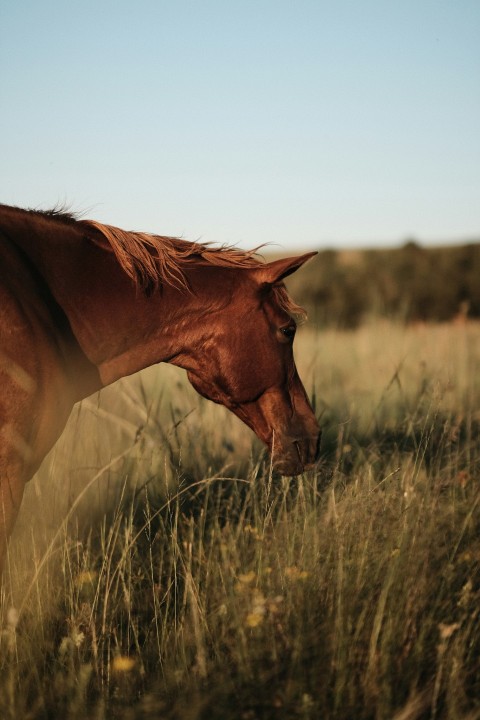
pixel 303 123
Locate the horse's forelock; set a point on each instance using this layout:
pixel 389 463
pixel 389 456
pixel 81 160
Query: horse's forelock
pixel 286 303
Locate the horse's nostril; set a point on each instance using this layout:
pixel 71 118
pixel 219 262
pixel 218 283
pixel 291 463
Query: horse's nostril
pixel 297 448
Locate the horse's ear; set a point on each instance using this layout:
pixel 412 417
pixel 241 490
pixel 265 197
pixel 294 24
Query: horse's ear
pixel 276 271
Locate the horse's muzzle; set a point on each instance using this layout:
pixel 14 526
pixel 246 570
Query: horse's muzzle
pixel 297 454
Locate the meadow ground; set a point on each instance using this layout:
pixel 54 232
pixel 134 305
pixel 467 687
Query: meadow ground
pixel 160 570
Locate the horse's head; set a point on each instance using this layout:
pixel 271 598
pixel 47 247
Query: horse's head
pixel 243 359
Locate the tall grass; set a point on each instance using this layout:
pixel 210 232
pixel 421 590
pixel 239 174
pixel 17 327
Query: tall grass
pixel 160 569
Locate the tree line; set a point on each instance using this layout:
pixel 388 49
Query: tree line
pixel 409 283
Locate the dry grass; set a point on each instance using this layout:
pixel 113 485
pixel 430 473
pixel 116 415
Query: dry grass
pixel 159 570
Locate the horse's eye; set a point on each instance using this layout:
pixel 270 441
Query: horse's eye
pixel 289 331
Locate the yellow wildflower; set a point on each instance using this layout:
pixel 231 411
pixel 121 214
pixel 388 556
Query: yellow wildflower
pixel 254 619
pixel 123 664
pixel 294 573
pixel 247 578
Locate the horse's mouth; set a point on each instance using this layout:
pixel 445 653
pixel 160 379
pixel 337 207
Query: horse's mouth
pixel 298 455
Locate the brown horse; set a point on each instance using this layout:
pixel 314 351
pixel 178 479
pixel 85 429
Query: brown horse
pixel 83 304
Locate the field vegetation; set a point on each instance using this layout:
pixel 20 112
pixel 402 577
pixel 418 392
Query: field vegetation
pixel 159 569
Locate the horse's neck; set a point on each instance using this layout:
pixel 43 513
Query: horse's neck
pixel 119 329
pixel 127 331
pixel 168 326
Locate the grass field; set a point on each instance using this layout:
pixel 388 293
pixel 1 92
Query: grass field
pixel 160 570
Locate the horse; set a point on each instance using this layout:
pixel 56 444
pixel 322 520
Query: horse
pixel 83 304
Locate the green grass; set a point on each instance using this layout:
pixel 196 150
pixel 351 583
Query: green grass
pixel 159 569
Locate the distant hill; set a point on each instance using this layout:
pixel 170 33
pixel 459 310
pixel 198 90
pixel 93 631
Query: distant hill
pixel 409 283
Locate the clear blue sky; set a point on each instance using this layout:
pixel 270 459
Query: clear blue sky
pixel 305 123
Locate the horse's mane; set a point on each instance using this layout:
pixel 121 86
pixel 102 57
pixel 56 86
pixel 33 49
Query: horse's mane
pixel 153 260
